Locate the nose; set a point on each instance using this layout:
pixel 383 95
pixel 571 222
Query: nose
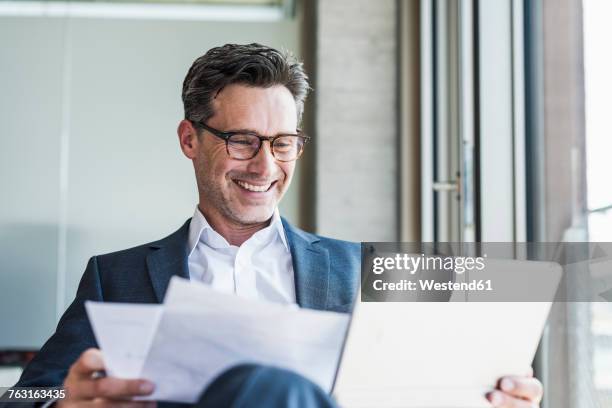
pixel 264 162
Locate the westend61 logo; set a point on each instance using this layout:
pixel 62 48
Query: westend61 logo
pixel 436 273
pixel 413 264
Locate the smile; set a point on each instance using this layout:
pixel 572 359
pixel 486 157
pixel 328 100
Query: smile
pixel 254 188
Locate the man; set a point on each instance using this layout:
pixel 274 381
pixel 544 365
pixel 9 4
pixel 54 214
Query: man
pixel 243 104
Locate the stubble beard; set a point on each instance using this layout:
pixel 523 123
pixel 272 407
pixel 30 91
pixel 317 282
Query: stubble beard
pixel 226 206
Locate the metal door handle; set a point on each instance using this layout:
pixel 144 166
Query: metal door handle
pixel 445 186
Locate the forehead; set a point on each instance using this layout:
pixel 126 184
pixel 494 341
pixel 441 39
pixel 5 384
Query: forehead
pixel 266 110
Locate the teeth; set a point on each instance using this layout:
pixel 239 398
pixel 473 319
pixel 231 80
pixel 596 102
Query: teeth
pixel 250 187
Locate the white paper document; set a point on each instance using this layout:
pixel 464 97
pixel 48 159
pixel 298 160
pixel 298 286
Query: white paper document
pixel 124 332
pixel 199 333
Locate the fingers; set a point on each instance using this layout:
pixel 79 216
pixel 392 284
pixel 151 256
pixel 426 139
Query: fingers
pixel 81 385
pixel 501 400
pixel 113 388
pixel 517 392
pixel 81 372
pixel 89 362
pixel 528 388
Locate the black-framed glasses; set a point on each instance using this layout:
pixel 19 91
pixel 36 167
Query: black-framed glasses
pixel 246 145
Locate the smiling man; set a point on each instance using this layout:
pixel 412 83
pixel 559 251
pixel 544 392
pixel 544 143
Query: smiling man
pixel 243 105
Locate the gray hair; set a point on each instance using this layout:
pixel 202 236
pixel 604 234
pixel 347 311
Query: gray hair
pixel 250 64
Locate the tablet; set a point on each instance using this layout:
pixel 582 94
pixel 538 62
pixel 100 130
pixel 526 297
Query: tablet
pixel 440 354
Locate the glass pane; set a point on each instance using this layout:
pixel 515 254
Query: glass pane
pixel 29 180
pixel 598 88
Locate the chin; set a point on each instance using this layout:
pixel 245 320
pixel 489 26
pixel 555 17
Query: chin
pixel 253 216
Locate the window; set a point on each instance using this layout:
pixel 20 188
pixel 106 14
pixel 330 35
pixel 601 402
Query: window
pixel 598 89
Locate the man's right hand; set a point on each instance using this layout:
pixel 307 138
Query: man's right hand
pixel 83 389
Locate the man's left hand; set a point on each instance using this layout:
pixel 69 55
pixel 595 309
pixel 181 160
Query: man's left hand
pixel 517 392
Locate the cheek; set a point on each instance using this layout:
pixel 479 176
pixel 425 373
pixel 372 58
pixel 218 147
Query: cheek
pixel 216 164
pixel 287 170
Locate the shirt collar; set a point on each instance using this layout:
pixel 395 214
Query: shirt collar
pixel 200 230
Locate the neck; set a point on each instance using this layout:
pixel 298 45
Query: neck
pixel 233 232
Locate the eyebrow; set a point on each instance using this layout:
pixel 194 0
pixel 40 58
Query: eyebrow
pixel 257 133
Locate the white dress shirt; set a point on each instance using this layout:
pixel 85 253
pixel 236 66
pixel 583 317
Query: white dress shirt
pixel 261 268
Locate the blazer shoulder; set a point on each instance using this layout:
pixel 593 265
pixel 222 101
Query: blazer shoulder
pixel 335 246
pixel 339 244
pixel 133 252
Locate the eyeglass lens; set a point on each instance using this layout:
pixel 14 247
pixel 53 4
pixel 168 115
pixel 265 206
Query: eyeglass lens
pixel 245 146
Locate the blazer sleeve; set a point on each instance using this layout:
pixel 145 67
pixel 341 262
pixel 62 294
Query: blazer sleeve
pixel 73 336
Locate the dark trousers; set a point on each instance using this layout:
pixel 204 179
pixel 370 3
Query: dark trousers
pixel 252 385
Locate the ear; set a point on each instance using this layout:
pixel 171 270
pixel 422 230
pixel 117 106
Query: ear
pixel 188 139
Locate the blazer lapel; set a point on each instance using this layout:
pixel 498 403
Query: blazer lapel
pixel 168 257
pixel 310 266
